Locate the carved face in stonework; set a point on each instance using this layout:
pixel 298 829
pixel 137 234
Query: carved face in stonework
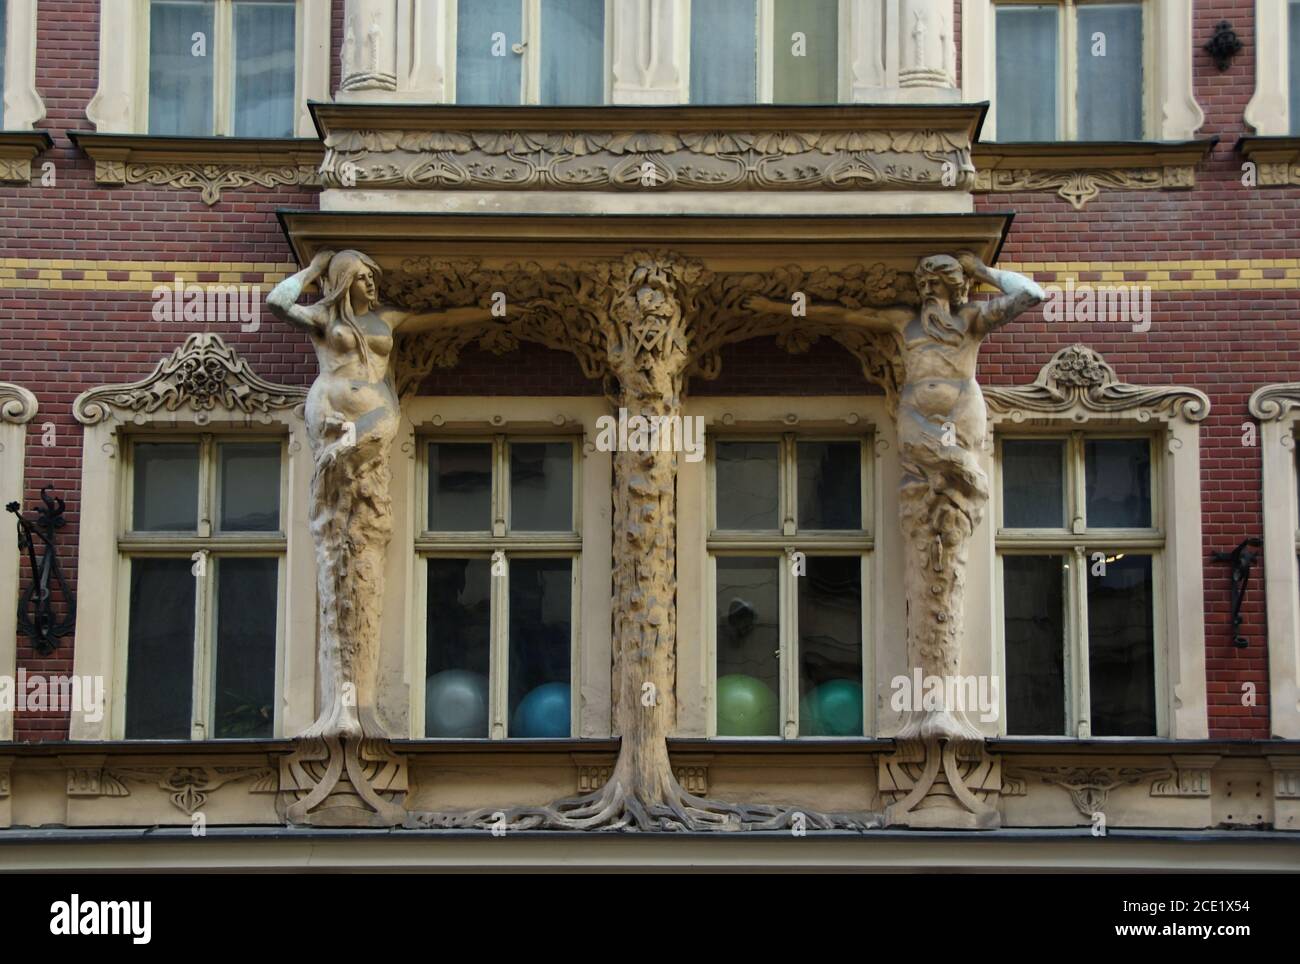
pixel 364 291
pixel 941 278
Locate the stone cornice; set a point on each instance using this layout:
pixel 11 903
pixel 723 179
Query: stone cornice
pixel 18 406
pixel 1079 171
pixel 17 150
pixel 1276 402
pixel 1077 383
pixel 209 165
pixel 1277 159
pixel 203 375
pixel 848 147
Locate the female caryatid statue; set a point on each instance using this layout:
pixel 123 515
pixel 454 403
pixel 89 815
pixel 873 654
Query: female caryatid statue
pixel 352 418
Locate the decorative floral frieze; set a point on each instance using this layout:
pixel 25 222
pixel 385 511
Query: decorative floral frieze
pixel 208 179
pixel 203 375
pixel 1081 186
pixel 17 405
pixel 1078 382
pixel 188 787
pixel 1090 787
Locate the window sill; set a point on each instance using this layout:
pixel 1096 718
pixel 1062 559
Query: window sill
pixel 17 151
pixel 1276 159
pixel 1079 171
pixel 209 165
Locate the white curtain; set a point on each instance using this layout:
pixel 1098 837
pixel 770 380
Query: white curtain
pixel 487 70
pixel 1110 72
pixel 1027 72
pixel 180 81
pixel 724 47
pixel 573 52
pixel 264 68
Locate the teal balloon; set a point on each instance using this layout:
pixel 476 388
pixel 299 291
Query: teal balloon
pixel 456 704
pixel 543 712
pixel 832 709
pixel 747 707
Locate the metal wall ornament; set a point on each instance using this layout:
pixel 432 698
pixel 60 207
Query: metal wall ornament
pixel 1242 558
pixel 37 618
pixel 1223 45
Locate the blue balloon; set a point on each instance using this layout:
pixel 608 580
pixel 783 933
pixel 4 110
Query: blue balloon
pixel 456 704
pixel 543 712
pixel 832 709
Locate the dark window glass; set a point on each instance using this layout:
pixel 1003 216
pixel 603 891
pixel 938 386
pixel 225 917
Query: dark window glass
pixel 166 484
pixel 1110 71
pixel 250 486
pixel 247 601
pixel 748 488
pixel 541 630
pixel 458 655
pixel 160 650
pixel 541 486
pixel 460 487
pixel 1118 479
pixel 1033 608
pixel 830 485
pixel 1033 484
pixel 1026 72
pixel 748 646
pixel 830 647
pixel 1121 648
pixel 724 48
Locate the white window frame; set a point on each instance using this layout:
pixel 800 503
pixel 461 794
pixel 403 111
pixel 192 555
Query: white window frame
pixel 530 73
pixel 1277 407
pixel 120 104
pixel 214 546
pixel 1078 544
pixel 1170 109
pixel 430 544
pixel 18 406
pixel 23 107
pixel 1269 110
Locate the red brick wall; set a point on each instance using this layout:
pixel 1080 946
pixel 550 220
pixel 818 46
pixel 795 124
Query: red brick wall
pixel 59 343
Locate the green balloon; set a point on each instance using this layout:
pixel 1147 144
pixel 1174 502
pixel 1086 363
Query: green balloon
pixel 747 707
pixel 832 709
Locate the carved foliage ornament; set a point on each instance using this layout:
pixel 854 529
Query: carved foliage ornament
pixel 208 179
pixel 1276 402
pixel 17 404
pixel 706 160
pixel 202 375
pixel 1078 380
pixel 1080 187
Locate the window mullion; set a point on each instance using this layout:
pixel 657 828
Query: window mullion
pixel 221 47
pixel 788 654
pixel 1082 719
pixel 788 481
pixel 500 487
pixel 200 711
pixel 530 73
pixel 1070 81
pixel 499 657
pixel 1078 483
pixel 765 60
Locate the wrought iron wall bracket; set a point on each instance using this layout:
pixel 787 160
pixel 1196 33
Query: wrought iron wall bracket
pixel 1242 558
pixel 36 612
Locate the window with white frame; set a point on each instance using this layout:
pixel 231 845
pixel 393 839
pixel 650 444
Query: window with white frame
pixel 530 51
pixel 1293 49
pixel 1071 70
pixel 500 546
pixel 790 543
pixel 1079 543
pixel 221 67
pixel 765 51
pixel 4 43
pixel 202 554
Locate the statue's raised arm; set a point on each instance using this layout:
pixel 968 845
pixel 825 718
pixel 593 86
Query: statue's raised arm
pixel 1019 293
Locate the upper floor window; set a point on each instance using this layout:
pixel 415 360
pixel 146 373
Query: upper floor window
pixel 202 551
pixel 790 543
pixel 1070 70
pixel 222 67
pixel 1293 38
pixel 1079 543
pixel 4 43
pixel 500 546
pixel 530 51
pixel 765 51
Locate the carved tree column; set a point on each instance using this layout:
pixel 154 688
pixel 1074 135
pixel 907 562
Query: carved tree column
pixel 651 43
pixel 928 52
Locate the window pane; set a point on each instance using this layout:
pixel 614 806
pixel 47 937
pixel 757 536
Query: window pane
pixel 573 52
pixel 1118 477
pixel 487 70
pixel 1110 72
pixel 749 641
pixel 805 69
pixel 1121 648
pixel 1026 72
pixel 248 597
pixel 541 486
pixel 166 487
pixel 458 648
pixel 160 650
pixel 724 47
pixel 180 81
pixel 460 487
pixel 1033 607
pixel 264 69
pixel 1294 61
pixel 830 647
pixel 541 592
pixel 1033 484
pixel 250 486
pixel 830 485
pixel 748 491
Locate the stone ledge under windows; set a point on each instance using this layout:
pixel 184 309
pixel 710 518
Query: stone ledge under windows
pixel 1276 159
pixel 1079 171
pixel 17 151
pixel 209 165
